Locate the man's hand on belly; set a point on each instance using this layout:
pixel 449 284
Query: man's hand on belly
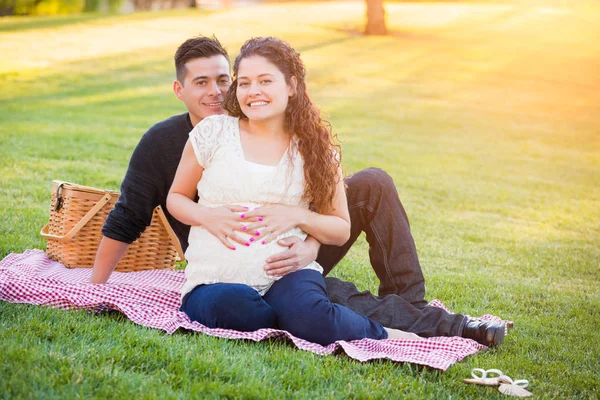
pixel 300 253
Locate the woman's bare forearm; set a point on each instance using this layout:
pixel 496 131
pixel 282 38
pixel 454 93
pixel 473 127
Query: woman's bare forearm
pixel 185 209
pixel 326 229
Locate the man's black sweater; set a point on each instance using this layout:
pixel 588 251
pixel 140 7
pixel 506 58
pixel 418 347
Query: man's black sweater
pixel 147 182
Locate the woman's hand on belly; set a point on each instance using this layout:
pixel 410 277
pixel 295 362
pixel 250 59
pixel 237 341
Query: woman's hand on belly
pixel 223 222
pixel 269 222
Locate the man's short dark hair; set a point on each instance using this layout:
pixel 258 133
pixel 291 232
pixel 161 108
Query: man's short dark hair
pixel 197 47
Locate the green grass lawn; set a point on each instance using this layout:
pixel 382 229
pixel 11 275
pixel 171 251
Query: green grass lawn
pixel 486 116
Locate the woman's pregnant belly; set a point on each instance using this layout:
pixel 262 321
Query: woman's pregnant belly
pixel 209 261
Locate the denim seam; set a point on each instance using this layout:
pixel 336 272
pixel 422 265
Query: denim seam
pixel 359 204
pixel 383 252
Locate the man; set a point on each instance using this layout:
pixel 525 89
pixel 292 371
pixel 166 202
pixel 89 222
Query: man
pixel 203 78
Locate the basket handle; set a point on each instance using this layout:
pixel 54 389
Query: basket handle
pixel 170 232
pixel 86 218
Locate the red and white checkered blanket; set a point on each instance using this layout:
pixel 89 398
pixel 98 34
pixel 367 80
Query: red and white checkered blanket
pixel 152 298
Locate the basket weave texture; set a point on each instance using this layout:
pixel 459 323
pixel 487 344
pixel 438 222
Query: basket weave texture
pixel 74 231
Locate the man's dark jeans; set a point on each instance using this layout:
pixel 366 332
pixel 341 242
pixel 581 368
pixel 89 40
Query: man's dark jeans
pixel 375 209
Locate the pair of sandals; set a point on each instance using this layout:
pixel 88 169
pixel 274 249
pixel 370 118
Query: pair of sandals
pixel 495 377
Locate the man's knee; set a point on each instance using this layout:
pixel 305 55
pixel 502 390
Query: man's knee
pixel 338 291
pixel 372 179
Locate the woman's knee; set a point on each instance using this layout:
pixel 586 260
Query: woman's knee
pixel 294 289
pixel 303 308
pixel 229 306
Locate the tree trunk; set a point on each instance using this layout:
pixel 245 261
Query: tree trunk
pixel 7 7
pixel 375 18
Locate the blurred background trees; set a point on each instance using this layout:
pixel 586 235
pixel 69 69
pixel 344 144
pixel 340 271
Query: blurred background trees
pixel 53 7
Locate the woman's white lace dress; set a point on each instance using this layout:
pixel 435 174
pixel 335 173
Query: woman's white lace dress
pixel 229 179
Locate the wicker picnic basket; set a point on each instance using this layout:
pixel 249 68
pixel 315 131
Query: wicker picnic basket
pixel 77 214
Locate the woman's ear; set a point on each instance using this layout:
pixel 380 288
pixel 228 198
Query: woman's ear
pixel 292 86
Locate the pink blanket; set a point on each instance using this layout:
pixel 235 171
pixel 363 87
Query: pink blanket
pixel 151 298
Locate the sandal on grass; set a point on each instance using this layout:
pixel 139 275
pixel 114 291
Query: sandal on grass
pixel 504 383
pixel 483 378
pixel 514 388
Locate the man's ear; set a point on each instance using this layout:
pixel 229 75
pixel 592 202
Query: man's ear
pixel 292 86
pixel 177 88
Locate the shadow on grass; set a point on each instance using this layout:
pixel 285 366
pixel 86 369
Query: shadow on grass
pixel 355 31
pixel 482 23
pixel 326 43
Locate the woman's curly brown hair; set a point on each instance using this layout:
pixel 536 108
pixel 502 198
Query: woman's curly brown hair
pixel 316 143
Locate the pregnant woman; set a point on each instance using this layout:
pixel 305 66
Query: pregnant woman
pixel 273 150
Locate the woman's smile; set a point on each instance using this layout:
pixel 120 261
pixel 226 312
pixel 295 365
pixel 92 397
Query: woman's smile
pixel 255 104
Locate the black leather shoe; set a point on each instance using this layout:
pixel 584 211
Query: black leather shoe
pixel 488 333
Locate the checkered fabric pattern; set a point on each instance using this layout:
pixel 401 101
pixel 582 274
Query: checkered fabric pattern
pixel 152 298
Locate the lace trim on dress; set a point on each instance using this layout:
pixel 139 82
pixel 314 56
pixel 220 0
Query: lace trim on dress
pixel 210 134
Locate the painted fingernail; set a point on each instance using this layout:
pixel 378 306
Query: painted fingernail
pixel 244 228
pixel 243 216
pixel 233 248
pixel 247 244
pixel 257 233
pixel 263 242
pixel 247 208
pixel 252 239
pixel 259 218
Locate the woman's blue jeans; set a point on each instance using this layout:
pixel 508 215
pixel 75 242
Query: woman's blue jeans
pixel 297 303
